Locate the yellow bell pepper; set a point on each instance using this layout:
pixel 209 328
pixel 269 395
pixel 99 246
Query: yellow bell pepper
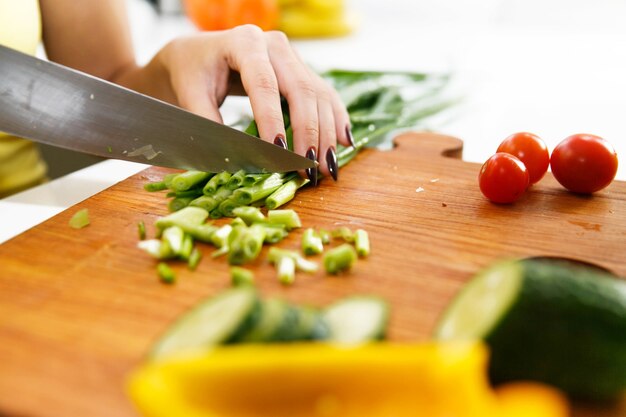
pixel 315 18
pixel 318 380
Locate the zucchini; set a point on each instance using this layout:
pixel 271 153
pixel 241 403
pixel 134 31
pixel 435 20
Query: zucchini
pixel 217 320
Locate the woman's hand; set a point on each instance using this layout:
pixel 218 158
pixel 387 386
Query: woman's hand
pixel 199 71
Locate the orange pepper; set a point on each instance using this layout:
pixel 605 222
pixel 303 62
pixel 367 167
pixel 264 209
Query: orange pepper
pixel 226 14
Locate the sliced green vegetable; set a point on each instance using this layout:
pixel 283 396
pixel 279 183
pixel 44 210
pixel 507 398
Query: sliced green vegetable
pixel 236 180
pixel 155 186
pixel 285 192
pixel 275 254
pixel 362 242
pixel 277 321
pixel 216 182
pixel 286 270
pixel 220 319
pixel 249 214
pixel 141 229
pixel 311 242
pixel 194 259
pixel 344 233
pixel 241 276
pixel 80 219
pixel 174 237
pixel 166 275
pixel 289 218
pixel 358 319
pixel 189 179
pixel 340 258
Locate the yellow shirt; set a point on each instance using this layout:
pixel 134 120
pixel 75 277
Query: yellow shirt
pixel 20 162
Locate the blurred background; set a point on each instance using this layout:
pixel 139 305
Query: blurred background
pixel 550 67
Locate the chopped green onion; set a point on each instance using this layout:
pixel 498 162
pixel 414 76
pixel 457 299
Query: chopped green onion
pixel 189 179
pixel 205 202
pixel 155 186
pixel 343 233
pixel 286 270
pixel 251 179
pixel 227 206
pixel 141 229
pixel 174 236
pixel 287 217
pixel 302 264
pixel 186 248
pixel 193 193
pixel 274 233
pixel 362 242
pixel 285 192
pixel 238 221
pixel 193 216
pixel 247 195
pixel 241 276
pixel 194 259
pixel 216 182
pixel 311 243
pixel 166 274
pixel 253 242
pixel 167 179
pixel 340 258
pixel 236 179
pixel 179 203
pixel 80 219
pixel 155 248
pixel 249 214
pixel 324 235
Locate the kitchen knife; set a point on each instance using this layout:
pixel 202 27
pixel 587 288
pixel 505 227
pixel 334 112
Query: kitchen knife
pixel 59 106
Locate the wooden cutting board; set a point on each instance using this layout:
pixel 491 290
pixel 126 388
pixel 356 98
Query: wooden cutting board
pixel 79 308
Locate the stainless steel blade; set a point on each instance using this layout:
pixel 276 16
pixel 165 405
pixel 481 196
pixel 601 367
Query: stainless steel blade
pixel 49 103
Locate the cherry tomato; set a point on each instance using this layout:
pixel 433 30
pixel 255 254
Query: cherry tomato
pixel 529 149
pixel 503 178
pixel 584 163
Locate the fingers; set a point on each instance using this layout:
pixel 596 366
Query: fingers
pixel 248 54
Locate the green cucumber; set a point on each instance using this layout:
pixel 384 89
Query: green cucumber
pixel 276 321
pixel 356 319
pixel 546 320
pixel 310 325
pixel 217 320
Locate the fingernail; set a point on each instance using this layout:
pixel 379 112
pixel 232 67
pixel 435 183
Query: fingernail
pixel 350 137
pixel 331 161
pixel 279 141
pixel 312 172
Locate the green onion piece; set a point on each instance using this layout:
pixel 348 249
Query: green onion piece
pixel 167 179
pixel 236 179
pixel 324 235
pixel 287 217
pixel 361 242
pixel 174 237
pixel 274 233
pixel 189 216
pixel 249 214
pixel 302 264
pixel 186 180
pixel 153 247
pixel 179 203
pixel 340 258
pixel 193 193
pixel 203 232
pixel 236 253
pixel 286 270
pixel 205 202
pixel 247 195
pixel 141 229
pixel 227 206
pixel 311 243
pixel 251 179
pixel 80 219
pixel 220 237
pixel 186 248
pixel 237 221
pixel 285 192
pixel 241 276
pixel 216 214
pixel 155 186
pixel 344 233
pixel 216 182
pixel 166 274
pixel 253 242
pixel 194 259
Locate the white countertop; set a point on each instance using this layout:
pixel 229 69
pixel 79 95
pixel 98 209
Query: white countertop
pixel 553 68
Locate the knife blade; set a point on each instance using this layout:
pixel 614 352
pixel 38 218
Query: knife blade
pixel 49 103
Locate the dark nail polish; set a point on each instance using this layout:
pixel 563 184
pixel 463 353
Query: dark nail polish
pixel 279 141
pixel 350 137
pixel 331 161
pixel 312 172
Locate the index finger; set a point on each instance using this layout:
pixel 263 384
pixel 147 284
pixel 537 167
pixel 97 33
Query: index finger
pixel 248 54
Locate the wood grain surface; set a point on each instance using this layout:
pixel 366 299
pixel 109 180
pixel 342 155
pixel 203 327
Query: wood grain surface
pixel 80 308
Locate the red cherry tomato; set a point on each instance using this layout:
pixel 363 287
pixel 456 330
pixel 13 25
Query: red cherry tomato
pixel 529 149
pixel 584 163
pixel 503 178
